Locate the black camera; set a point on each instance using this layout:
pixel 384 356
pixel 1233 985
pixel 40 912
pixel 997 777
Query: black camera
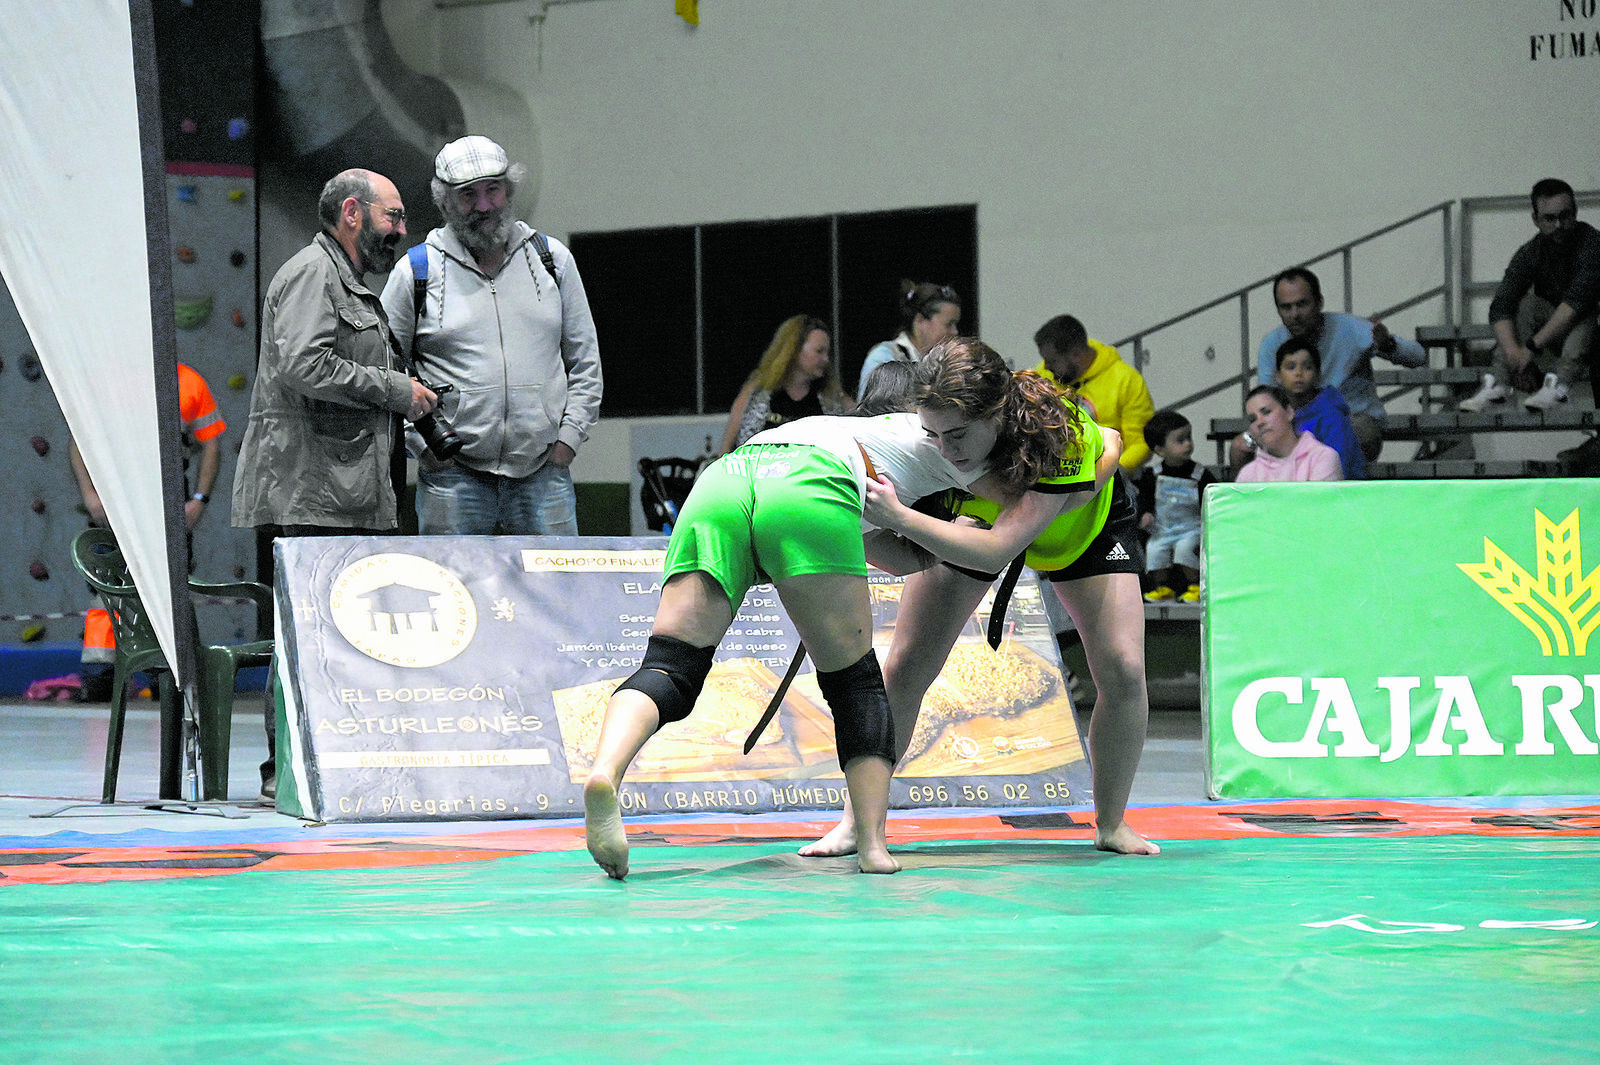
pixel 436 430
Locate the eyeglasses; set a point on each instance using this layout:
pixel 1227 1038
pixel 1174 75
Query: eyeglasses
pixel 397 215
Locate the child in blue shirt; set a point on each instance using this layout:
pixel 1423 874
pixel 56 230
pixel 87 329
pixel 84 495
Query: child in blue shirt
pixel 1320 411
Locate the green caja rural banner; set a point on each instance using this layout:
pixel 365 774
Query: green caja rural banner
pixel 1429 638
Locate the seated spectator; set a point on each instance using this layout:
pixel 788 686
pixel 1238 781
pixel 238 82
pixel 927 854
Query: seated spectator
pixel 1282 454
pixel 1170 495
pixel 929 315
pixel 1546 305
pixel 1322 412
pixel 796 376
pixel 1346 344
pixel 1114 393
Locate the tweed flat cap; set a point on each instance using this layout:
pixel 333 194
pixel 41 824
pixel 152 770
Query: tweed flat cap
pixel 469 159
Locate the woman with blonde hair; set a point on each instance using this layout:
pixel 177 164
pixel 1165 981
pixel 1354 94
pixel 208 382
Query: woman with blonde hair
pixel 796 377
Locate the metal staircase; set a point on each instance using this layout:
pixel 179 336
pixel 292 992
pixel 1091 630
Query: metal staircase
pixel 1459 248
pixel 1464 245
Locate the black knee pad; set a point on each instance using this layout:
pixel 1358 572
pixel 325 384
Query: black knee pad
pixel 861 721
pixel 672 674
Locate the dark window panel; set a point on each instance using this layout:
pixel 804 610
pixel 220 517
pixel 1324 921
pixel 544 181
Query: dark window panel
pixel 640 285
pixel 936 244
pixel 756 275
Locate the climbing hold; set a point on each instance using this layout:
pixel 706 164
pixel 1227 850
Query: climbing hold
pixel 190 314
pixel 39 571
pixel 236 382
pixel 186 194
pixel 237 128
pixel 39 506
pixel 30 368
pixel 189 125
pixel 238 318
pixel 32 633
pixel 236 195
pixel 185 253
pixel 41 445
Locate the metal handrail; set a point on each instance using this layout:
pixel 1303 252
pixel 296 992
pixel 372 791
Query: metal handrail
pixel 1456 290
pixel 1445 290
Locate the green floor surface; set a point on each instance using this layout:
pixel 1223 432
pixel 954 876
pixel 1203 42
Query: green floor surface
pixel 1470 950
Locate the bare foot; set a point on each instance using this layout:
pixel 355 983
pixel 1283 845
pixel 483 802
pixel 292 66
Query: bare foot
pixel 602 826
pixel 840 840
pixel 1124 840
pixel 877 860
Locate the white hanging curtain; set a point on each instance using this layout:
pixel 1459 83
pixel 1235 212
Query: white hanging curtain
pixel 74 256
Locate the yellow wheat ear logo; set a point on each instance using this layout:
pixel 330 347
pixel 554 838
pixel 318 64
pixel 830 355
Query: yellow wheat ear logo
pixel 1561 605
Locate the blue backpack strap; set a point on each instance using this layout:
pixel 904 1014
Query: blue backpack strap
pixel 541 244
pixel 419 277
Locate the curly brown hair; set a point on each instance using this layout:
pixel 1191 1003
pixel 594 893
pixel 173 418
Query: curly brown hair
pixel 1037 424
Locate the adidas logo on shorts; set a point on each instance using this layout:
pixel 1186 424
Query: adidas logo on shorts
pixel 1118 553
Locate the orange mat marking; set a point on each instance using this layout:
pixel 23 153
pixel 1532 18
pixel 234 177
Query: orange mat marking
pixel 1321 817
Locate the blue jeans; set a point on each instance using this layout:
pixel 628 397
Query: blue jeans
pixel 459 501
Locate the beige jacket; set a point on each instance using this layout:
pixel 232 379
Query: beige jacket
pixel 323 412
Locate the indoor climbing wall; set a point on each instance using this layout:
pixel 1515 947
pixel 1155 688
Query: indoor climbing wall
pixel 206 58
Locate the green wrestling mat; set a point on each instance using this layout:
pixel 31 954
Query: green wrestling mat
pixel 1443 948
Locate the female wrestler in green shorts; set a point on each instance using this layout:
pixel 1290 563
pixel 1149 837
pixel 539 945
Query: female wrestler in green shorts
pixel 787 508
pixel 1091 555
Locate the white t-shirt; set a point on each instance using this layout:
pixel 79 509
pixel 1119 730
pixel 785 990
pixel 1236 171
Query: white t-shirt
pixel 899 447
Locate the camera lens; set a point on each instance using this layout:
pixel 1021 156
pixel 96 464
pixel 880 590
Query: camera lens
pixel 439 435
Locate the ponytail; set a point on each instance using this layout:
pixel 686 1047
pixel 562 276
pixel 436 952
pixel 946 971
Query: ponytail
pixel 1038 427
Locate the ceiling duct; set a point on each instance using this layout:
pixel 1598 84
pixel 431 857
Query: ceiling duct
pixel 338 95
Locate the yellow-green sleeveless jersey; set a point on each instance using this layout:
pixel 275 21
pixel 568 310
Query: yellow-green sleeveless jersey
pixel 1064 539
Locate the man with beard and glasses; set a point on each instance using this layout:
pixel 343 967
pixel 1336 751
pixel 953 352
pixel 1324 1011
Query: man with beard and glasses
pixel 317 450
pixel 503 320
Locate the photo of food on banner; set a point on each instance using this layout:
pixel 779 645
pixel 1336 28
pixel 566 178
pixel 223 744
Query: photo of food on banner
pixel 991 712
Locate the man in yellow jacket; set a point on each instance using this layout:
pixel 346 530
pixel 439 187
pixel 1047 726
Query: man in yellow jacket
pixel 1114 392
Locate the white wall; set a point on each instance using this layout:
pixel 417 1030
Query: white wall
pixel 1128 160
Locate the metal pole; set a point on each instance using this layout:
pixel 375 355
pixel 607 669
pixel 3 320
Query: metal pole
pixel 1244 343
pixel 158 243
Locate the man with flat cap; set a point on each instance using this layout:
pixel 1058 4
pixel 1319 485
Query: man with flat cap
pixel 503 320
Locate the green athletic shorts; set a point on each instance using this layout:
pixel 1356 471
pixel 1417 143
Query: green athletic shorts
pixel 768 512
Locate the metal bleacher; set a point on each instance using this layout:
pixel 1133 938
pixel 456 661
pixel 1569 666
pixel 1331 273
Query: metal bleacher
pixel 1459 344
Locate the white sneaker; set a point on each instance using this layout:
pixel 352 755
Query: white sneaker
pixel 1491 392
pixel 1553 394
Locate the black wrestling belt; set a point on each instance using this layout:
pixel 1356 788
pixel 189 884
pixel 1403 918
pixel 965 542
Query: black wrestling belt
pixel 1002 598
